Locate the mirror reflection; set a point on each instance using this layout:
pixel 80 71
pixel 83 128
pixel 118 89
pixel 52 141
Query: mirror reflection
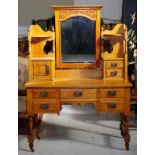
pixel 78 40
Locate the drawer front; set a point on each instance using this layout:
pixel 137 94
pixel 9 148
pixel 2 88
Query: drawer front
pixel 114 64
pixel 111 106
pixel 78 94
pixel 45 94
pixel 46 106
pixel 114 73
pixel 112 93
pixel 41 70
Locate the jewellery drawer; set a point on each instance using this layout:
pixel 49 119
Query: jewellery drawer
pixel 112 93
pixel 76 94
pixel 41 70
pixel 114 73
pixel 114 64
pixel 46 106
pixel 45 94
pixel 111 106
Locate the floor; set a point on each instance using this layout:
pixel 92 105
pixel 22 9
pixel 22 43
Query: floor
pixel 79 131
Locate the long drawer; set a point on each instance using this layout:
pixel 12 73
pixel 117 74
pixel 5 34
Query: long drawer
pixel 45 94
pixel 112 93
pixel 46 106
pixel 78 94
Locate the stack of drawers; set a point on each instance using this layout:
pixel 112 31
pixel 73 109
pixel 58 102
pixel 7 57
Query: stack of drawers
pixel 111 100
pixel 113 69
pixel 106 100
pixel 46 101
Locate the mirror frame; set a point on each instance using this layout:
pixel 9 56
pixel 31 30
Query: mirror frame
pixel 64 13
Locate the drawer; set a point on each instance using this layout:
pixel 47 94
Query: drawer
pixel 114 64
pixel 45 94
pixel 77 94
pixel 111 106
pixel 46 106
pixel 41 70
pixel 114 73
pixel 112 93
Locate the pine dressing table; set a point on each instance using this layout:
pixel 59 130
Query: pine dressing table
pixel 78 62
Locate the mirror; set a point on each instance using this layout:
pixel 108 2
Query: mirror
pixel 78 40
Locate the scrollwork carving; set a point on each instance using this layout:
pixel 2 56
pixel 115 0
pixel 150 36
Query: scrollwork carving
pixel 67 13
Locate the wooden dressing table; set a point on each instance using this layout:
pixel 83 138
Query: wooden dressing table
pixel 72 65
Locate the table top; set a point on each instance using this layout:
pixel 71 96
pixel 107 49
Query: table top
pixel 85 83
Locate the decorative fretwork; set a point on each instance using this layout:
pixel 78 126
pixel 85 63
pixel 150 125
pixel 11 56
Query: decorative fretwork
pixel 68 13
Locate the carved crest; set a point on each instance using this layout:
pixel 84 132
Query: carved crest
pixel 67 13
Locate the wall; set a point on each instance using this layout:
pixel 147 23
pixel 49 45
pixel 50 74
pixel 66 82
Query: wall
pixel 40 9
pixel 37 9
pixel 112 9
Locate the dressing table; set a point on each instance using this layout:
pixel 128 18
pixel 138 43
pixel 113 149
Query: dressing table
pixel 78 62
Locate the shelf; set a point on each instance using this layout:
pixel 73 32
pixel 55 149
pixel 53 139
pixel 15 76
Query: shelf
pixel 35 31
pixel 43 58
pixel 41 36
pixel 112 34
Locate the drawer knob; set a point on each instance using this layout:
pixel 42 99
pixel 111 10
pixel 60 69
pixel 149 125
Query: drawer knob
pixel 111 93
pixel 43 94
pixel 111 105
pixel 114 65
pixel 78 93
pixel 44 106
pixel 114 73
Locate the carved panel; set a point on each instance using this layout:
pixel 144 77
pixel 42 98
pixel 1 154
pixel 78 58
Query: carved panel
pixel 68 13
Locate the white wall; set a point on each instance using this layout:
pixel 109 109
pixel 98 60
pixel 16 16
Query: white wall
pixel 40 9
pixel 112 9
pixel 37 9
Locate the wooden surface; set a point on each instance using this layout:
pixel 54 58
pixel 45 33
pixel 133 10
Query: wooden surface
pixel 104 84
pixel 69 83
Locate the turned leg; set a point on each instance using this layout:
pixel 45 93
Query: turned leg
pixel 122 124
pixel 30 135
pixel 126 132
pixel 36 126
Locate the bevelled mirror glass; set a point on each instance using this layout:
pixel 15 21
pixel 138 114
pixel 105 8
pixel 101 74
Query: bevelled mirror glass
pixel 78 40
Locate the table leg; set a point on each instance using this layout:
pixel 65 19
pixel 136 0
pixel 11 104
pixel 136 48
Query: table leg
pixel 30 135
pixel 36 126
pixel 122 125
pixel 126 132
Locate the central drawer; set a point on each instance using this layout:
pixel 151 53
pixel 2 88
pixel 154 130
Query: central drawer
pixel 78 94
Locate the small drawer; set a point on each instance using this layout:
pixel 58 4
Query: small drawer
pixel 114 64
pixel 111 106
pixel 78 94
pixel 114 73
pixel 45 94
pixel 41 70
pixel 112 93
pixel 46 106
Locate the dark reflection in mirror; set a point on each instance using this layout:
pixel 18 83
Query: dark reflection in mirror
pixel 78 40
